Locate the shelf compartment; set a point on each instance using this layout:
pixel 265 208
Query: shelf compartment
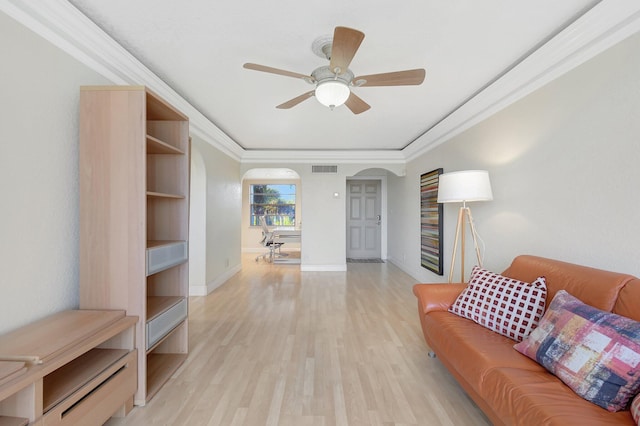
pixel 167 173
pixel 170 134
pixel 159 109
pixel 168 282
pixel 156 146
pixel 164 313
pixel 163 255
pixel 160 367
pixel 167 218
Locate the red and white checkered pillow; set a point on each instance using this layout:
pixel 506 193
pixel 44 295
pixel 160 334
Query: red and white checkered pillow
pixel 504 305
pixel 635 409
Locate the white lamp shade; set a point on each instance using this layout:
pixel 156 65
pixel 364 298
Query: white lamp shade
pixel 468 185
pixel 332 93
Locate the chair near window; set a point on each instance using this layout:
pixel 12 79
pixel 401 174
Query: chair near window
pixel 268 242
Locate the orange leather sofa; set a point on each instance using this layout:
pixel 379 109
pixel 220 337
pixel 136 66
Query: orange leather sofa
pixel 510 388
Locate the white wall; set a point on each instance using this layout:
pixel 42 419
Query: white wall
pixel 565 169
pixel 223 206
pixel 324 225
pixel 39 95
pixel 197 225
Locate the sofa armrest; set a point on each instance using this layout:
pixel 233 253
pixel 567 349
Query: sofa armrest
pixel 437 297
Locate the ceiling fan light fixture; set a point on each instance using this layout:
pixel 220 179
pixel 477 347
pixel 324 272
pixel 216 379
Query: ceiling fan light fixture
pixel 332 93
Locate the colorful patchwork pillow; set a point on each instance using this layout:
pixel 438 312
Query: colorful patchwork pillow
pixel 635 409
pixel 504 305
pixel 595 353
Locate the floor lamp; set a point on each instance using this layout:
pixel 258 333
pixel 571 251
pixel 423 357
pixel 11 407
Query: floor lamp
pixel 463 187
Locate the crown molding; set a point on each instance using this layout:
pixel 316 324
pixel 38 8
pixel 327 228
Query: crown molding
pixel 60 23
pixel 342 157
pixel 606 24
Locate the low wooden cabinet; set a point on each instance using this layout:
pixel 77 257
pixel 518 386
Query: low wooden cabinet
pixel 74 367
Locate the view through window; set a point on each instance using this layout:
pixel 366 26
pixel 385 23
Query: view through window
pixel 276 202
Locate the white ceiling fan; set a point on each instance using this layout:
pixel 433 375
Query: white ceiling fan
pixel 333 83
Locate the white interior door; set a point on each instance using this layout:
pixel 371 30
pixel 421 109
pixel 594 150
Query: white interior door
pixel 363 219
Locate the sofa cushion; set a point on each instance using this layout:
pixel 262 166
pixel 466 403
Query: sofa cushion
pixel 470 349
pixel 596 353
pixel 507 306
pixel 528 397
pixel 635 409
pixel 627 303
pixel 595 287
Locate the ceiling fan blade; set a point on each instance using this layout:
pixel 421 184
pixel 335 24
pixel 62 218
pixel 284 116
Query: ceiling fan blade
pixel 263 68
pixel 397 78
pixel 295 101
pixel 356 105
pixel 346 42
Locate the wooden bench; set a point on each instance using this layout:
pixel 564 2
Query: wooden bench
pixel 74 367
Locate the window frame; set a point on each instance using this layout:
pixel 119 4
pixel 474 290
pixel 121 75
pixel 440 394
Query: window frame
pixel 282 213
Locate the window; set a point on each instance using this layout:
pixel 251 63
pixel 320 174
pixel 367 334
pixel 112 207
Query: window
pixel 277 202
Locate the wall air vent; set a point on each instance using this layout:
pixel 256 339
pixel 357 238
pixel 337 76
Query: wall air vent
pixel 324 169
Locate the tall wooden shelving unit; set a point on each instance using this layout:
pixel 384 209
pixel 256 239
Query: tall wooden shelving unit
pixel 134 210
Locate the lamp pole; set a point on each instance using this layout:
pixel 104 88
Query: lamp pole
pixel 464 215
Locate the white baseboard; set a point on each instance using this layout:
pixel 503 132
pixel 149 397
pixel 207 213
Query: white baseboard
pixel 203 290
pixel 405 268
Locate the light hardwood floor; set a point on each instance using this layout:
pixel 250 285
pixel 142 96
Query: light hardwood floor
pixel 274 346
